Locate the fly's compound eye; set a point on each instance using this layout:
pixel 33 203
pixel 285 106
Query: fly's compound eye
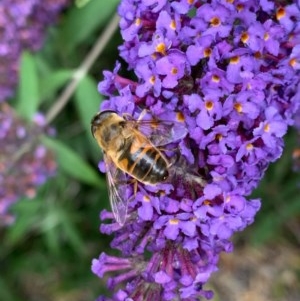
pixel 94 124
pixel 93 129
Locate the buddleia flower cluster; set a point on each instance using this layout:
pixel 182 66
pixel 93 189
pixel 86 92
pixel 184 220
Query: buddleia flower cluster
pixel 22 27
pixel 25 163
pixel 231 70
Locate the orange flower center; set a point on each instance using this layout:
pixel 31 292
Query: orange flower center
pixel 137 22
pixel 173 25
pixel 257 55
pixel 215 21
pixel 244 37
pixel 173 221
pixel 267 128
pixel 280 13
pixel 179 117
pixel 293 62
pixel 240 7
pixel 161 48
pixel 207 202
pixel 207 52
pixel 238 107
pixel 146 198
pixel 152 80
pixel 249 146
pixel 219 137
pixel 234 60
pixel 215 78
pixel 209 105
pixel 174 71
pixel 266 36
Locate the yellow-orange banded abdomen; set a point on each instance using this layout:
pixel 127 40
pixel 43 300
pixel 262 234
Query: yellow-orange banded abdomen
pixel 145 163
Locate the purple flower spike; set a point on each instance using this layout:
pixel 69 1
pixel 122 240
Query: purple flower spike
pixel 22 27
pixel 230 71
pixel 25 164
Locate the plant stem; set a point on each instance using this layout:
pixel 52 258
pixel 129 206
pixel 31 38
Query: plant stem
pixel 78 75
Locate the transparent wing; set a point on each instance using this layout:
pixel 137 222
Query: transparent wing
pixel 159 132
pixel 117 188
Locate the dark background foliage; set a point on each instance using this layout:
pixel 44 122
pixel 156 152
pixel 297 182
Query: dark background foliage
pixel 46 254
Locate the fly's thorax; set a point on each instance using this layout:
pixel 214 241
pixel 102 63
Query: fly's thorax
pixel 111 136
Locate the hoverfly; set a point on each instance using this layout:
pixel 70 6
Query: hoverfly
pixel 131 147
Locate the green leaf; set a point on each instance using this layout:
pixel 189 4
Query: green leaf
pixel 28 92
pixel 27 213
pixel 71 163
pixel 291 208
pixel 6 292
pixel 264 229
pixel 51 227
pixel 72 234
pixel 54 81
pixel 88 101
pixel 81 22
pixel 81 3
pixel 52 241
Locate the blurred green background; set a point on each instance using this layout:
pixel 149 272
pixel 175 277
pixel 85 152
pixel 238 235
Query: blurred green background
pixel 47 253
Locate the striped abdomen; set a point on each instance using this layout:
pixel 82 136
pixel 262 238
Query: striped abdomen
pixel 145 163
